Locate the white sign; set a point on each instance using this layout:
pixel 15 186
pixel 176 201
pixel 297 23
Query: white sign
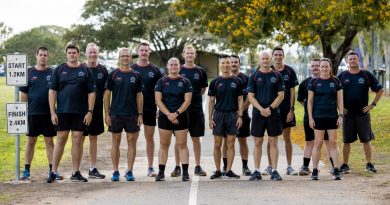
pixel 17 121
pixel 16 66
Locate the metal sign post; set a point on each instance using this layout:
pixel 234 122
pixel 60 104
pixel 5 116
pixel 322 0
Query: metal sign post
pixel 16 65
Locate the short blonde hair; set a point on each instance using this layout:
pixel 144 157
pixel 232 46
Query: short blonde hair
pixel 89 45
pixel 121 50
pixel 189 46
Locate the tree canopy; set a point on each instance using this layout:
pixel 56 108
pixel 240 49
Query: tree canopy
pixel 28 41
pixel 331 22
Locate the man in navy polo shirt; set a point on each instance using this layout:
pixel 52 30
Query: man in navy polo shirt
pixel 97 125
pixel 225 114
pixel 73 91
pixel 39 122
pixel 356 83
pixel 198 78
pixel 265 93
pixel 150 74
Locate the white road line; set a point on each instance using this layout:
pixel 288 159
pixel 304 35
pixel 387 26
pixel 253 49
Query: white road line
pixel 194 191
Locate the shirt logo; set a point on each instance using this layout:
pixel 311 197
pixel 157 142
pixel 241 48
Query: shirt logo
pixel 331 85
pixel 286 78
pixel 118 78
pixel 81 74
pixel 132 79
pixel 219 85
pixel 346 81
pixel 151 75
pixel 361 81
pixel 319 85
pixel 180 84
pixel 64 73
pixel 34 78
pixel 196 76
pixel 233 85
pixel 48 78
pixel 100 75
pixel 273 80
pixel 259 80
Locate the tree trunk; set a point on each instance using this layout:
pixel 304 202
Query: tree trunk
pixel 363 49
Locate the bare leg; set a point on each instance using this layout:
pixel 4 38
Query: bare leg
pixel 131 149
pixel 149 136
pixel 257 151
pixel 230 151
pixel 92 150
pixel 62 138
pixel 217 152
pixel 115 151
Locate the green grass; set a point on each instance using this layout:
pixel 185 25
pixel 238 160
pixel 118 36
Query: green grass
pixel 7 142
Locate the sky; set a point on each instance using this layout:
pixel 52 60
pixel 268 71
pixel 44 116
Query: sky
pixel 22 15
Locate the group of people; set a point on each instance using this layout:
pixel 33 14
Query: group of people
pixel 80 97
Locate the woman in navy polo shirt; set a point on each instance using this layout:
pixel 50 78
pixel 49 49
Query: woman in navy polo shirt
pixel 325 108
pixel 173 95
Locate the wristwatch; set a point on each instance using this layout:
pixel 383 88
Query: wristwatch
pixel 177 112
pixel 91 111
pixel 292 109
pixel 373 103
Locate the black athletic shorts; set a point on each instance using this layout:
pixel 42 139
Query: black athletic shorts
pixel 196 124
pixel 285 124
pixel 149 118
pixel 357 126
pixel 325 123
pixel 41 125
pixel 245 130
pixel 165 124
pixel 69 121
pixel 126 122
pixel 273 125
pixel 225 123
pixel 97 125
pixel 309 133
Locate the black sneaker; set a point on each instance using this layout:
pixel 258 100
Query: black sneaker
pixel 176 172
pixel 199 171
pixel 160 177
pixel 51 178
pixel 95 174
pixel 370 168
pixel 77 177
pixel 246 171
pixel 255 176
pixel 314 174
pixel 231 175
pixel 217 174
pixel 336 174
pixel 275 176
pixel 344 168
pixel 185 177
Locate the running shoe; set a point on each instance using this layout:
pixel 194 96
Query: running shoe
pixel 314 174
pixel 216 175
pixel 176 172
pixel 246 171
pixel 370 168
pixel 344 168
pixel 291 171
pixel 115 176
pixel 199 171
pixel 231 175
pixel 51 178
pixel 223 171
pixel 130 176
pixel 185 177
pixel 151 172
pixel 267 171
pixel 59 176
pixel 303 171
pixel 275 176
pixel 77 177
pixel 255 176
pixel 160 177
pixel 95 174
pixel 25 175
pixel 336 174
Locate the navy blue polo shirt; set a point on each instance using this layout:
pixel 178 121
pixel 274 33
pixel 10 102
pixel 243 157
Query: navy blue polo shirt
pixel 303 93
pixel 124 87
pixel 73 84
pixel 100 76
pixel 150 74
pixel 226 91
pixel 244 80
pixel 325 96
pixel 265 86
pixel 290 81
pixel 198 78
pixel 173 91
pixel 37 89
pixel 355 90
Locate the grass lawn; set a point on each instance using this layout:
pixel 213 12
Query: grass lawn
pixel 7 142
pixel 380 121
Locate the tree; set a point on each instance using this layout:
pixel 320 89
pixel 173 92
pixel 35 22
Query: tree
pixel 333 23
pixel 113 24
pixel 28 41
